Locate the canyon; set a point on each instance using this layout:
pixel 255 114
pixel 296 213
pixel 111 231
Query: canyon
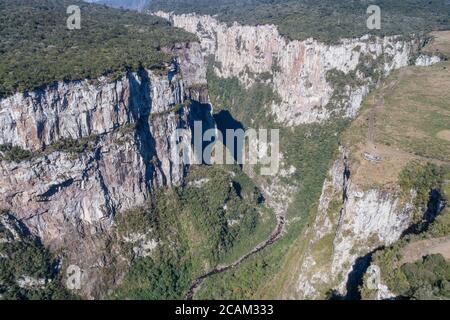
pixel 352 220
pixel 127 131
pixel 69 200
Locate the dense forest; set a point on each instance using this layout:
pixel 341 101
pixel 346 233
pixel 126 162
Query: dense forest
pixel 327 20
pixel 37 48
pixel 229 219
pixel 29 271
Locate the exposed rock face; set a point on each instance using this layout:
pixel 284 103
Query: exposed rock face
pixel 296 69
pixel 69 200
pixel 10 229
pixel 351 221
pixel 82 108
pixel 426 61
pixel 354 222
pixel 373 282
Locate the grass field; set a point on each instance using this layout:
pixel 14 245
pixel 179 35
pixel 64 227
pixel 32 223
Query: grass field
pixel 411 121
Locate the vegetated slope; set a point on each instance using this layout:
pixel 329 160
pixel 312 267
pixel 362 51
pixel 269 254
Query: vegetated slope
pixel 36 47
pixel 393 147
pixel 27 269
pixel 418 266
pixel 217 217
pixel 405 119
pixel 308 148
pixel 326 20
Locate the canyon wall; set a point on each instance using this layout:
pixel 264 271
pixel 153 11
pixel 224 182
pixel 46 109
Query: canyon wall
pixel 97 148
pixel 100 147
pixel 297 70
pixel 316 82
pixel 351 222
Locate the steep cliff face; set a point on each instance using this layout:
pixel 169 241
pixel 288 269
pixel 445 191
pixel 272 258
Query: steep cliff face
pixel 297 70
pixel 315 82
pixel 351 222
pixel 75 110
pixel 68 197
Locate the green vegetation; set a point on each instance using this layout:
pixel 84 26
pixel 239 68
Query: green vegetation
pixel 11 153
pixel 326 20
pixel 246 106
pixel 36 48
pixel 416 113
pixel 309 148
pixel 427 278
pixel 74 146
pixel 166 273
pixel 176 109
pixel 26 257
pixel 422 178
pixel 240 283
pixel 218 216
pixel 367 66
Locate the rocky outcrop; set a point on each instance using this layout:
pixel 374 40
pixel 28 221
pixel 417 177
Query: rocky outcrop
pixel 79 109
pixel 426 60
pixel 351 222
pixel 373 282
pixel 70 197
pixel 297 70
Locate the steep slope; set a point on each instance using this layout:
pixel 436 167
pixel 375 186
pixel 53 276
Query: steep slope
pixel 94 149
pixel 90 164
pixel 381 187
pixel 414 267
pixel 108 41
pixel 94 169
pixel 306 89
pixel 18 278
pixel 301 73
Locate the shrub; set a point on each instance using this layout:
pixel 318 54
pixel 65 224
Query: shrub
pixel 14 153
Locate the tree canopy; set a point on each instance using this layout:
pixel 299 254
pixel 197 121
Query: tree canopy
pixel 37 48
pixel 326 20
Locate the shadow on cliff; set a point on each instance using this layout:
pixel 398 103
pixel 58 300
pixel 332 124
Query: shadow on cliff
pixel 225 121
pixel 355 280
pixel 200 112
pixel 140 104
pixel 436 203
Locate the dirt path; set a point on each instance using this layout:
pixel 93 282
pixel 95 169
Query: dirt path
pixel 386 89
pixel 276 235
pixel 416 250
